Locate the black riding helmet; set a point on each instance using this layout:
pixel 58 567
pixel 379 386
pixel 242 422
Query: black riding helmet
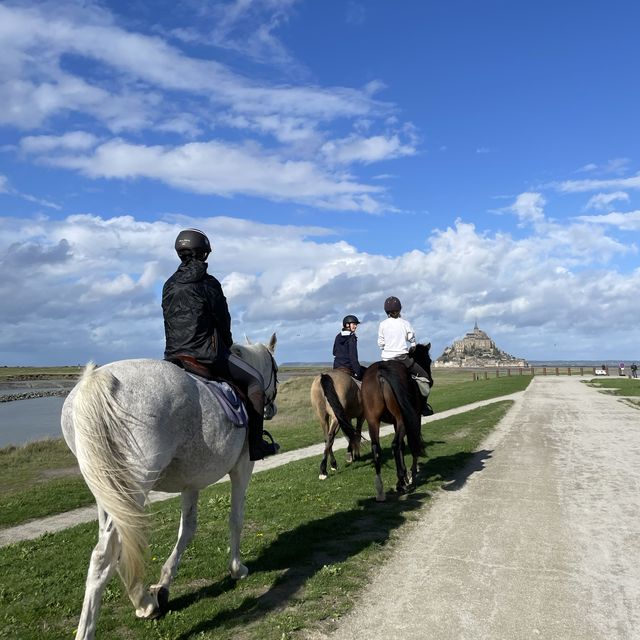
pixel 349 319
pixel 392 304
pixel 193 242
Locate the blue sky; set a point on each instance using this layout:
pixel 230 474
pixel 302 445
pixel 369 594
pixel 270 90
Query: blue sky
pixel 479 160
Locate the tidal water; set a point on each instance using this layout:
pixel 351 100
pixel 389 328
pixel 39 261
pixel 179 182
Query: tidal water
pixel 24 421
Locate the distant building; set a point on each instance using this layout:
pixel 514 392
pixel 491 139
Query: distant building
pixel 477 349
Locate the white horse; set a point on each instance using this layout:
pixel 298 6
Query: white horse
pixel 138 425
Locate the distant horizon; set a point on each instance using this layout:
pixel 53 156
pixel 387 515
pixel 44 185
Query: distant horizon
pixel 329 364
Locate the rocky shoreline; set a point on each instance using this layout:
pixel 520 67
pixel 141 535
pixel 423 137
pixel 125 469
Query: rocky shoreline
pixel 30 395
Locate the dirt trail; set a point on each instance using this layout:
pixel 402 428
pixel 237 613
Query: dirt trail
pixel 541 541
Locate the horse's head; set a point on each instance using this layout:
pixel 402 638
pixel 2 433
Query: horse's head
pixel 260 357
pixel 420 354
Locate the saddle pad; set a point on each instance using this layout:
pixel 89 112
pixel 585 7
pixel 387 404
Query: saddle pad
pixel 423 385
pixel 228 399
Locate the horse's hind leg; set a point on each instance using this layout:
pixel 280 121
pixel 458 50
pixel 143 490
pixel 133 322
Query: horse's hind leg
pixel 102 566
pixel 397 447
pixel 329 438
pixel 188 523
pixel 353 452
pixel 374 430
pixel 240 476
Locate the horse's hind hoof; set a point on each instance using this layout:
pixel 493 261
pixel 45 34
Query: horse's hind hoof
pixel 323 476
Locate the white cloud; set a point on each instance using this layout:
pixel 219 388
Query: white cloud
pixel 616 165
pixel 578 186
pixel 36 87
pixel 529 207
pixel 366 150
pixel 603 201
pixel 223 169
pixel 103 278
pixel 70 141
pixel 135 85
pixel 629 221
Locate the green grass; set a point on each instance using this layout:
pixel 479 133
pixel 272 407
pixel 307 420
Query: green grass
pixel 617 386
pixel 456 394
pixel 25 373
pixel 310 547
pixel 40 479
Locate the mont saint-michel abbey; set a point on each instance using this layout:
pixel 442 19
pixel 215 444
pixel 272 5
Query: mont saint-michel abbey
pixel 477 349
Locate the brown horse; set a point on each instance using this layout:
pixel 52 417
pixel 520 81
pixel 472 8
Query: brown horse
pixel 390 394
pixel 335 396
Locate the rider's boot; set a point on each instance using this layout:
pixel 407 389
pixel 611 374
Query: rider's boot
pixel 259 446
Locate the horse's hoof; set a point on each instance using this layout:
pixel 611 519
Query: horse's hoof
pixel 150 608
pixel 323 476
pixel 334 468
pixel 238 571
pixel 381 498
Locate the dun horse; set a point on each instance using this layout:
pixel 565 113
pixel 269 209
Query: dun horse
pixel 389 394
pixel 138 425
pixel 335 396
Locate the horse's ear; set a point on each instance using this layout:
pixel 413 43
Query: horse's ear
pixel 272 343
pixel 428 345
pixel 246 339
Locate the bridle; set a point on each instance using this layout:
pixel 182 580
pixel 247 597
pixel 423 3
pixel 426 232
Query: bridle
pixel 270 398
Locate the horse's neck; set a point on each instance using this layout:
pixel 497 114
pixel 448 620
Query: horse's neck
pixel 251 355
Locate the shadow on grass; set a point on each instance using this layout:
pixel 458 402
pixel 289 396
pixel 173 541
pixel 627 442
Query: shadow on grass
pixel 327 541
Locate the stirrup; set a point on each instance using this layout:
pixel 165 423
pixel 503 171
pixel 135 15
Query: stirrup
pixel 427 410
pixel 273 443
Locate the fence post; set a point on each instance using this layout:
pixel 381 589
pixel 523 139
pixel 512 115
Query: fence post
pixel 557 371
pixel 568 371
pixel 486 375
pixel 544 371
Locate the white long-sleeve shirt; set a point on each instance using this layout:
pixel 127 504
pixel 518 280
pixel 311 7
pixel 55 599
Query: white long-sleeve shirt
pixel 395 336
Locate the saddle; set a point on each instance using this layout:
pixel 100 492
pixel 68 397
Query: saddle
pixel 226 392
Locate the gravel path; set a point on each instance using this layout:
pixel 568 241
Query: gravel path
pixel 541 541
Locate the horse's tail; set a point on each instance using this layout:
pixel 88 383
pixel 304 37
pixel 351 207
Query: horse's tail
pixel 410 415
pixel 99 435
pixel 329 390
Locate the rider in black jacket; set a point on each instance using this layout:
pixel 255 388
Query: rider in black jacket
pixel 345 348
pixel 197 329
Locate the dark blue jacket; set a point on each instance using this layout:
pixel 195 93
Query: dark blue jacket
pixel 196 315
pixel 345 351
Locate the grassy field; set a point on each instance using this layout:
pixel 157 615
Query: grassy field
pixel 617 386
pixel 41 479
pixel 309 545
pixel 27 373
pixel 627 388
